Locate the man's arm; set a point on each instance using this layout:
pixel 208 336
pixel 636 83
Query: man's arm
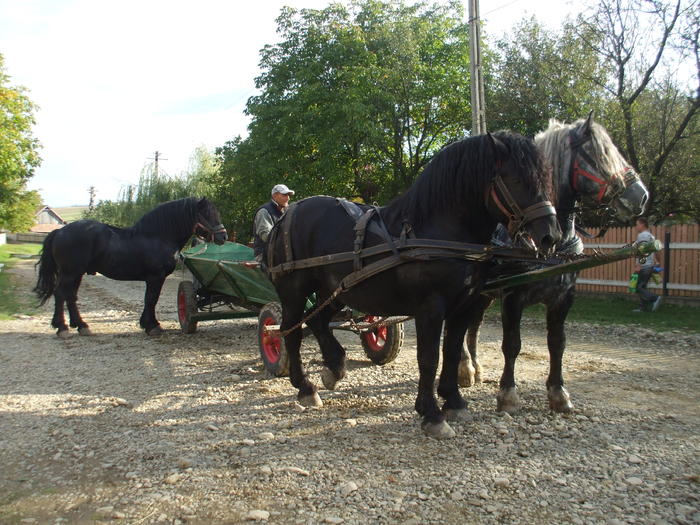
pixel 263 224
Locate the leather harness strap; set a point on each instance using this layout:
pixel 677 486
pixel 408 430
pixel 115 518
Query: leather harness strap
pixel 517 217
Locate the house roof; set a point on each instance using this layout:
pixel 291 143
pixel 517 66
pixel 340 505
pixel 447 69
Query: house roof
pixel 52 212
pixel 45 228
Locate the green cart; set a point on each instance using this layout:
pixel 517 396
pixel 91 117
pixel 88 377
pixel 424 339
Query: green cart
pixel 227 283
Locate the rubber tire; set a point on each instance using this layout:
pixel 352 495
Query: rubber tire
pixel 271 313
pixel 391 348
pixel 187 300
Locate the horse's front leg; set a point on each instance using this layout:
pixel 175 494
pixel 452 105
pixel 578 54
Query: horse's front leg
pixel 428 328
pixel 148 319
pixel 559 400
pixel 511 313
pixel 455 407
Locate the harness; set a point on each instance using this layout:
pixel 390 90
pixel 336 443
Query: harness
pixel 577 171
pixel 517 217
pixel 211 230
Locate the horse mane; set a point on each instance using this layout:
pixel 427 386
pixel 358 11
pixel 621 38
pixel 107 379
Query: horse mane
pixel 170 219
pixel 459 175
pixel 554 144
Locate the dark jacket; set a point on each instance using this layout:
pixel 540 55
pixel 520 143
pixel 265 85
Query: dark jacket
pixel 275 213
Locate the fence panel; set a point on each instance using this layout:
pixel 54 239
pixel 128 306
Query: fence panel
pixel 683 273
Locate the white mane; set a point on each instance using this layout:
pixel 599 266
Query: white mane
pixel 554 145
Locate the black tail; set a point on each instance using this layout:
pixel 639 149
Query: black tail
pixel 46 283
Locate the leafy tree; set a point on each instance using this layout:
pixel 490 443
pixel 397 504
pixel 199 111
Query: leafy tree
pixel 18 156
pixel 156 188
pixel 536 75
pixel 354 101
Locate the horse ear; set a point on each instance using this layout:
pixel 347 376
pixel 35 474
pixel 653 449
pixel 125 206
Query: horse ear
pixel 587 124
pixel 499 149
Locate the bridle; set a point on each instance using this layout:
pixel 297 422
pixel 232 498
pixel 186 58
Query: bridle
pixel 517 217
pixel 211 230
pixel 604 197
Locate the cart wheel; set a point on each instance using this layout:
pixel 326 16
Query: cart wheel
pixel 272 350
pixel 383 343
pixel 186 307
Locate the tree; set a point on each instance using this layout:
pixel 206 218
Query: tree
pixel 156 188
pixel 18 156
pixel 644 42
pixel 354 101
pixel 536 74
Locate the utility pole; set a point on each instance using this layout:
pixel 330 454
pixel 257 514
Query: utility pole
pixel 156 158
pixel 477 80
pixel 92 192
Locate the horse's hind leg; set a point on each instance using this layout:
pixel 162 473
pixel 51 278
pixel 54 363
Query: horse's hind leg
pixel 59 320
pixel 76 321
pixel 511 312
pixel 469 367
pixel 332 351
pixel 292 313
pixel 559 400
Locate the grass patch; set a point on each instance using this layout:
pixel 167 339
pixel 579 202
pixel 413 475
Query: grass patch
pixel 617 310
pixel 14 298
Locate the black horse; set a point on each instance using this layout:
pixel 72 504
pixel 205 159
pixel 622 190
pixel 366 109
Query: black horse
pixel 144 252
pixel 458 197
pixel 588 171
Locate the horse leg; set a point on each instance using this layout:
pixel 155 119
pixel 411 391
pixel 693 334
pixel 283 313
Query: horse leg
pixel 455 407
pixel 332 351
pixel 59 320
pixel 76 321
pixel 292 313
pixel 148 319
pixel 511 313
pixel 469 367
pixel 559 400
pixel 428 328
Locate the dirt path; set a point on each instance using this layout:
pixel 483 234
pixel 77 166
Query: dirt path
pixel 178 429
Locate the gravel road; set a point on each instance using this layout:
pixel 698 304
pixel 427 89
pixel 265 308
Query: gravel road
pixel 188 429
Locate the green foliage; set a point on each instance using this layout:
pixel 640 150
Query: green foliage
pixel 18 156
pixel 155 188
pixel 354 101
pixel 538 74
pixel 15 298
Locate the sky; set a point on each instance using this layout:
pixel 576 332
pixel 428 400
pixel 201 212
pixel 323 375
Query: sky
pixel 116 81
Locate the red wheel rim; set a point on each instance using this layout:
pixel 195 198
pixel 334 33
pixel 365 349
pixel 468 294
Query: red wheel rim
pixel 182 307
pixel 271 344
pixel 375 339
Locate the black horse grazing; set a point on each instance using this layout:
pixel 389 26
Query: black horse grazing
pixel 144 252
pixel 587 169
pixel 458 197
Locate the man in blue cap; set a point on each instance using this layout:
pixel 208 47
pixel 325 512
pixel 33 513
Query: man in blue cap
pixel 267 215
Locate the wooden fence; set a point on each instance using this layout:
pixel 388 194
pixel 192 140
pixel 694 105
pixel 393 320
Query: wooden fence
pixel 683 269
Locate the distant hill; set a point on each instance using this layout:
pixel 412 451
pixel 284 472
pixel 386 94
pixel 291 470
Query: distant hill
pixel 71 213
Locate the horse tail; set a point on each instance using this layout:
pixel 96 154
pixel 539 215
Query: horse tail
pixel 48 271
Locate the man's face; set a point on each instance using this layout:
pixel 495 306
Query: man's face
pixel 640 226
pixel 281 199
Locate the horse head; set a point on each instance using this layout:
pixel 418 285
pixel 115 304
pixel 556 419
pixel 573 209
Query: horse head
pixel 518 193
pixel 208 225
pixel 601 175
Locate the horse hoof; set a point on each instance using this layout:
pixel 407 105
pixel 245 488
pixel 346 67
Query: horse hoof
pixel 507 401
pixel 456 414
pixel 559 400
pixel 466 373
pixel 63 334
pixel 328 378
pixel 311 400
pixel 85 331
pixel 155 331
pixel 477 374
pixel 439 430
